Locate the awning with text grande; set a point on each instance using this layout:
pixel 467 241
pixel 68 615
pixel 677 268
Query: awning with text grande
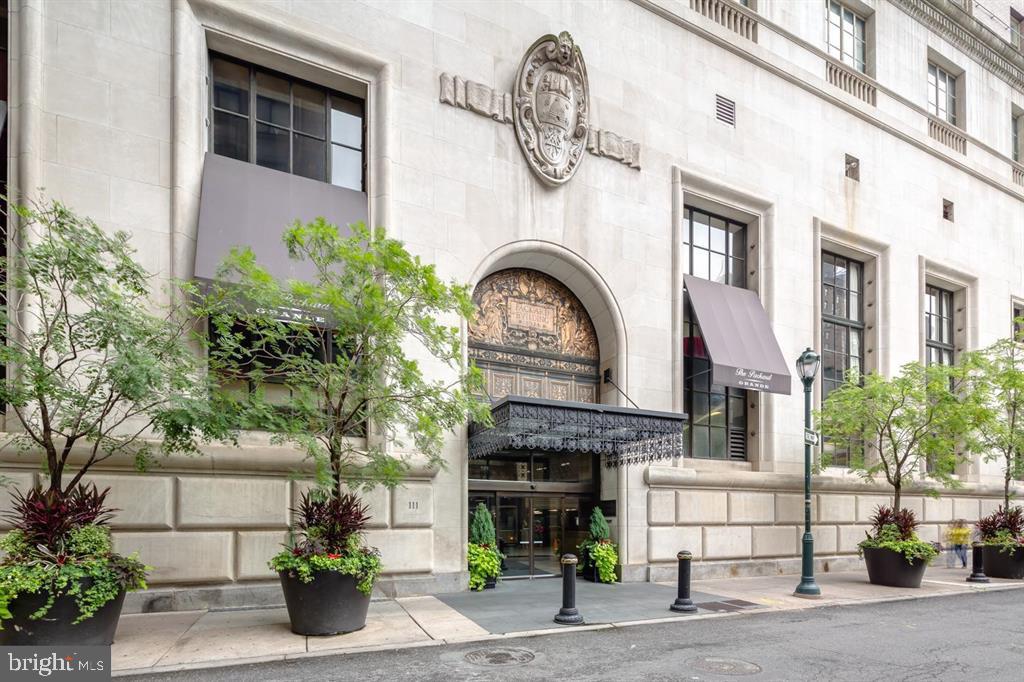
pixel 737 337
pixel 623 435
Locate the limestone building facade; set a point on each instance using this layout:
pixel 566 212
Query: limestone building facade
pixel 856 164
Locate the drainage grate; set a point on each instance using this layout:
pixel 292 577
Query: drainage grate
pixel 724 666
pixel 740 602
pixel 499 656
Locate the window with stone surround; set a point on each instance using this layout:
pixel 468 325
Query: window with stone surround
pixel 1017 29
pixel 1017 134
pixel 276 121
pixel 938 326
pixel 846 35
pixel 714 248
pixel 842 329
pixel 942 93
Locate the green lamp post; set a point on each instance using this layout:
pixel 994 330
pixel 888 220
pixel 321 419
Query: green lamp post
pixel 807 368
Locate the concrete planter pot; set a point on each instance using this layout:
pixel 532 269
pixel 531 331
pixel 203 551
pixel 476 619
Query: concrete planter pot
pixel 328 605
pixel 999 564
pixel 889 568
pixel 56 626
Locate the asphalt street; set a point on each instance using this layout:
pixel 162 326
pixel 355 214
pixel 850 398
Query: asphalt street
pixel 973 637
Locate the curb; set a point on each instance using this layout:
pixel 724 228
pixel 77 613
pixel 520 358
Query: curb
pixel 207 665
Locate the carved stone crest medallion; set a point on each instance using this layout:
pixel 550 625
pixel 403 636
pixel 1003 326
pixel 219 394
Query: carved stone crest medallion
pixel 551 107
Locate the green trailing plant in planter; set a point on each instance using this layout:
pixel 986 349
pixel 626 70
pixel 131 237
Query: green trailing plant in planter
pixel 1002 533
pixel 895 530
pixel 101 371
pixel 59 557
pixel 482 552
pixel 895 556
pixel 598 554
pixel 330 539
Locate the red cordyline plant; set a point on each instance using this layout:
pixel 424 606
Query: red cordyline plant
pixel 327 523
pixel 903 519
pixel 47 517
pixel 1003 522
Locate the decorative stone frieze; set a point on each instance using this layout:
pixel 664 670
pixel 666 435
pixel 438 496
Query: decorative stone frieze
pixel 608 144
pixel 486 101
pixel 476 97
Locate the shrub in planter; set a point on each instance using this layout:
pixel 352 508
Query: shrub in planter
pixel 598 554
pixel 327 574
pixel 895 556
pixel 1002 533
pixel 100 371
pixel 359 402
pixel 60 580
pixel 482 552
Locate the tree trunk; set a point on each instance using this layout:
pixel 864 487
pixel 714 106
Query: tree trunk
pixel 896 497
pixel 1006 487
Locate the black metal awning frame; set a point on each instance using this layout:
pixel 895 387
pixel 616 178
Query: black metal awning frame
pixel 622 435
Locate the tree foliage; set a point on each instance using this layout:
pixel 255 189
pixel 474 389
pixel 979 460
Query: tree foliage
pixel 96 364
pixel 997 379
pixel 343 345
pixel 894 426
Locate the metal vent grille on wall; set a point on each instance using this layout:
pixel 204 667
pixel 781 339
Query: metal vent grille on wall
pixel 725 110
pixel 737 444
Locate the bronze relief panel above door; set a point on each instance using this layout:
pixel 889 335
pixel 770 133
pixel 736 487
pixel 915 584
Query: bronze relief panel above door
pixel 533 337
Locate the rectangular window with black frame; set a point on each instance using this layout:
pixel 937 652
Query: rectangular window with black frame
pixel 938 326
pixel 842 331
pixel 276 121
pixel 714 248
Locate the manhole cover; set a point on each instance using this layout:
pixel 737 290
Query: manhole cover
pixel 724 666
pixel 500 655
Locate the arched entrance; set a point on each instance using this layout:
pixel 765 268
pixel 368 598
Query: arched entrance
pixel 532 337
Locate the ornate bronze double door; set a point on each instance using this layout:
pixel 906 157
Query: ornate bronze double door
pixel 533 337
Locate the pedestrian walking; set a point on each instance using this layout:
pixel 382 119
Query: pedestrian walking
pixel 958 536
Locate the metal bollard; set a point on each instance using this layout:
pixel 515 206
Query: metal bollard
pixel 683 602
pixel 977 565
pixel 568 615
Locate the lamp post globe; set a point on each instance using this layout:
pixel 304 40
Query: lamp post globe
pixel 807 368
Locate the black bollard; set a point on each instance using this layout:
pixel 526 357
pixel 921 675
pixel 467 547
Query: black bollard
pixel 568 615
pixel 977 565
pixel 683 603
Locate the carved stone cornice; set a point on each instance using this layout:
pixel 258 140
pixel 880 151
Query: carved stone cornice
pixel 970 35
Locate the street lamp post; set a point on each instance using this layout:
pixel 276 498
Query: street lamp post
pixel 807 366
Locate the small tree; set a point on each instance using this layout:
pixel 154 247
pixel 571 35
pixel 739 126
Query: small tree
pixel 481 530
pixel 95 362
pixel 997 379
pixel 894 425
pixel 599 530
pixel 376 307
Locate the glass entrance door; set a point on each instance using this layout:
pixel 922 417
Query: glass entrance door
pixel 512 526
pixel 547 535
pixel 533 531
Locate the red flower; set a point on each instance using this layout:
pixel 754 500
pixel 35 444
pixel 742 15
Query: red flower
pixel 333 556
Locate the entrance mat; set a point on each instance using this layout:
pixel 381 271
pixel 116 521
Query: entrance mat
pixel 520 605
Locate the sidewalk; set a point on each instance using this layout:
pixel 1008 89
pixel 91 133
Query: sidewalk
pixel 162 642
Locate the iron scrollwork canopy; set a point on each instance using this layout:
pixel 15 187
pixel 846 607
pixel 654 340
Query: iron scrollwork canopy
pixel 621 435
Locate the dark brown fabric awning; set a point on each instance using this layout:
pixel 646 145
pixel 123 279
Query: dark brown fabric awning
pixel 738 337
pixel 243 204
